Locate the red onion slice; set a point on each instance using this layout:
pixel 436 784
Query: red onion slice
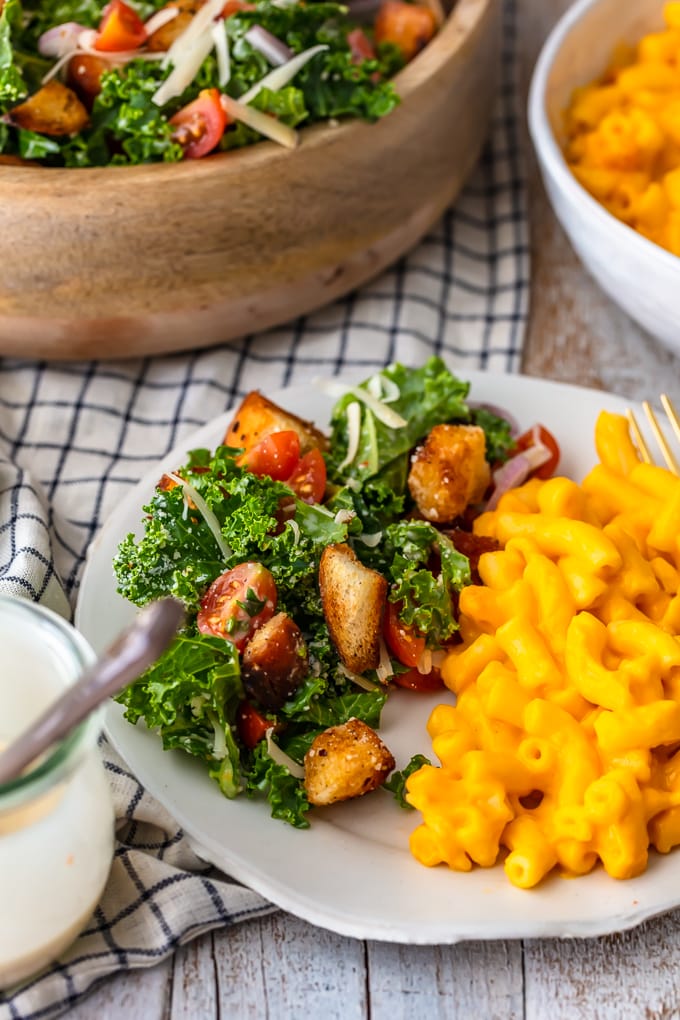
pixel 60 39
pixel 87 38
pixel 516 471
pixel 160 18
pixel 275 51
pixel 509 476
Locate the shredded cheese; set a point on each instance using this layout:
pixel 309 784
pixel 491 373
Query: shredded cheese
pixel 281 758
pixel 424 665
pixel 280 76
pixel 185 70
pixel 190 49
pixel 353 412
pixel 200 24
pixel 222 53
pixel 385 668
pixel 295 528
pixel 383 388
pixel 370 540
pixel 220 741
pixel 344 516
pixel 359 680
pixel 267 125
pixel 371 443
pixel 206 513
pixel 382 412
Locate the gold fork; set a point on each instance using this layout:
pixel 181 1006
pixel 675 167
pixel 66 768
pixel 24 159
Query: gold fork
pixel 674 420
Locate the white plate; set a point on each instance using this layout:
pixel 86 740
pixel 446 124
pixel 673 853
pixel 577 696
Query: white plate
pixel 352 871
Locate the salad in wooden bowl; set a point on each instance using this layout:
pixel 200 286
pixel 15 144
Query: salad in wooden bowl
pixel 138 216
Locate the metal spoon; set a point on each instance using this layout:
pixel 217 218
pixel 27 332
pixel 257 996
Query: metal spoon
pixel 129 655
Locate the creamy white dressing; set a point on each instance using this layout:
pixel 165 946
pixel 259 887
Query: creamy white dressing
pixel 33 672
pixel 56 836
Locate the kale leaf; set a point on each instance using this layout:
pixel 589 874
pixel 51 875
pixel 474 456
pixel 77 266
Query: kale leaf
pixel 286 794
pixel 426 597
pixel 190 696
pixel 12 84
pixel 396 784
pixel 498 432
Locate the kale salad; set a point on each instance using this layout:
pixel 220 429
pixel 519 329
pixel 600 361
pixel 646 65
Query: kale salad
pixel 83 83
pixel 265 540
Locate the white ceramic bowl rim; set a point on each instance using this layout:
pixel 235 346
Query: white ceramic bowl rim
pixel 545 142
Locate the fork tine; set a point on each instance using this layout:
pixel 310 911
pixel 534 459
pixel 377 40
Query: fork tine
pixel 643 449
pixel 658 434
pixel 672 414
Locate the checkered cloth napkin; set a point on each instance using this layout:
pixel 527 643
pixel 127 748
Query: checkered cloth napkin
pixel 75 437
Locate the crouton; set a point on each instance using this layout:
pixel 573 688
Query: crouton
pixel 53 110
pixel 344 762
pixel 258 417
pixel 449 471
pixel 274 662
pixel 163 38
pixel 353 598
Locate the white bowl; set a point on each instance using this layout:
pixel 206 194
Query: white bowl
pixel 641 277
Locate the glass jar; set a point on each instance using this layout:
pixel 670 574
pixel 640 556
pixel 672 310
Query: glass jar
pixel 56 819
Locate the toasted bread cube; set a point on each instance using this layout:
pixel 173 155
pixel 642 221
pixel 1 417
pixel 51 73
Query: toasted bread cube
pixel 353 598
pixel 274 662
pixel 258 417
pixel 53 110
pixel 344 762
pixel 449 471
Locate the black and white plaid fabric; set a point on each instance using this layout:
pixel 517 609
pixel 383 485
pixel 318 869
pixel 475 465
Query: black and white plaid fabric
pixel 75 437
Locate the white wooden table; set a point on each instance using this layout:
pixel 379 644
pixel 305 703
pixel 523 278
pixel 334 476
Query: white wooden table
pixel 282 968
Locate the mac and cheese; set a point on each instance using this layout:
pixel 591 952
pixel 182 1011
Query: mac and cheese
pixel 623 135
pixel 563 747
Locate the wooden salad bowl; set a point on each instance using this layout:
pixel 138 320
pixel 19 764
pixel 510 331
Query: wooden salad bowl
pixel 143 260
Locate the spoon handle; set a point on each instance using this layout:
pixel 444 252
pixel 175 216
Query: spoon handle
pixel 121 663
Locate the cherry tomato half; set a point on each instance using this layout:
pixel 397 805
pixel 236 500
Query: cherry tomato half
pixel 252 727
pixel 308 479
pixel 235 6
pixel 405 643
pixel 199 125
pixel 415 681
pixel 277 455
pixel 408 26
pixel 527 439
pixel 360 46
pixel 121 28
pixel 237 603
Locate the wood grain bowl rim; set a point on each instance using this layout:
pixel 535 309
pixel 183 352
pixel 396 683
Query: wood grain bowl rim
pixel 460 27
